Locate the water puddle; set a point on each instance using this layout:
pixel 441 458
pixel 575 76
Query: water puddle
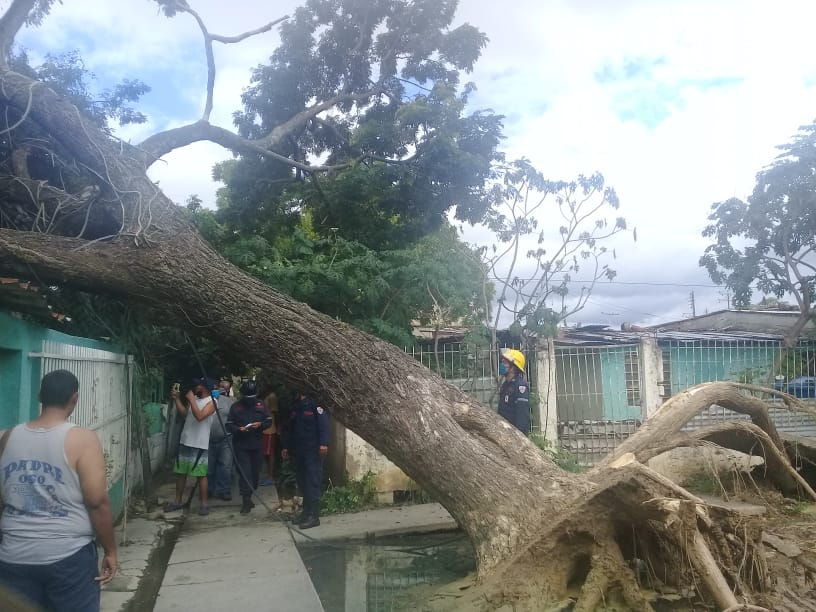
pixel 383 575
pixel 379 576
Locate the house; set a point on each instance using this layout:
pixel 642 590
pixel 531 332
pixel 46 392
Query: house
pixel 608 381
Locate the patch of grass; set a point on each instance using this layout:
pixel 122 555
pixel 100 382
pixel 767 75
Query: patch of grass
pixel 354 496
pixel 562 458
pixel 704 482
pixel 802 507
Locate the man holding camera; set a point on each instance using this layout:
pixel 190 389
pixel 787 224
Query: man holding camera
pixel 192 457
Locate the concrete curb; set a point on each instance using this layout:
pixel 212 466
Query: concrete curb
pixel 382 522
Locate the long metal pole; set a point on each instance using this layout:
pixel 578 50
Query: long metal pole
pixel 128 417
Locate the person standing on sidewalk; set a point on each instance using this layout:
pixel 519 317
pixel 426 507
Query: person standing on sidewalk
pixel 192 458
pixel 514 396
pixel 308 439
pixel 220 454
pixel 247 419
pixel 270 436
pixel 55 498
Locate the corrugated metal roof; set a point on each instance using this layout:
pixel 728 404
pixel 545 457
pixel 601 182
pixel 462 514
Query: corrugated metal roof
pixel 590 337
pixel 24 297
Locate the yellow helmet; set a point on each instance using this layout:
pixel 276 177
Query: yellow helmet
pixel 515 357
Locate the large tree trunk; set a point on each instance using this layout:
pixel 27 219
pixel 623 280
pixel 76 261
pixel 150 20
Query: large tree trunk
pixel 535 528
pixel 491 478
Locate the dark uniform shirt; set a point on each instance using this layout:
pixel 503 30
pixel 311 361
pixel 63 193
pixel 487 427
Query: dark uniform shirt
pixel 308 427
pixel 243 412
pixel 514 403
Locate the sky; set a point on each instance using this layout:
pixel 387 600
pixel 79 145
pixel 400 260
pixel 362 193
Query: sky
pixel 679 103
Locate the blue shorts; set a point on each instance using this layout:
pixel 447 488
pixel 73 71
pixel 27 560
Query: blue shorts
pixel 68 585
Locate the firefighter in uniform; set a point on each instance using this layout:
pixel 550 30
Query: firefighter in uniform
pixel 308 440
pixel 247 419
pixel 514 398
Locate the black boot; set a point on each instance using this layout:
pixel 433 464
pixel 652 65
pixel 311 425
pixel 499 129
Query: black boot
pixel 247 504
pixel 312 517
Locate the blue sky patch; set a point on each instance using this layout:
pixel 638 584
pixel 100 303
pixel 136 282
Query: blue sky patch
pixel 631 68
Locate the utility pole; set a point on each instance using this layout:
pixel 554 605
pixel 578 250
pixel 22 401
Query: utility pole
pixel 692 304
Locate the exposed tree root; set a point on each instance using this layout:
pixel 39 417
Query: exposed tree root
pixel 635 527
pixel 609 569
pixel 744 437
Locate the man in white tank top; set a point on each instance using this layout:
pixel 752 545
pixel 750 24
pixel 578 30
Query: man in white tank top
pixel 55 499
pixel 192 458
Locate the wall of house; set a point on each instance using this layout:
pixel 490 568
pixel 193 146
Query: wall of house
pixel 361 458
pixel 20 373
pixel 692 365
pixel 28 351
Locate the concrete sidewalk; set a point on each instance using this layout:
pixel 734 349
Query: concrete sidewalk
pixel 137 540
pixel 231 561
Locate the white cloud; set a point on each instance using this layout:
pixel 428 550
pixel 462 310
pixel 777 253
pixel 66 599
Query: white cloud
pixel 703 143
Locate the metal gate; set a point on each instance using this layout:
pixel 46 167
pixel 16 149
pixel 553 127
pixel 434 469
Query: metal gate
pixel 105 391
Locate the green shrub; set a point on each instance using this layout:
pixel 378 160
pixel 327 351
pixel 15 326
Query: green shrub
pixel 354 496
pixel 562 458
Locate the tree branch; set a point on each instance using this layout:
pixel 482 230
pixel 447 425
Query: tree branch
pixel 162 143
pixel 169 140
pixel 12 20
pixel 241 37
pixel 293 125
pixel 208 50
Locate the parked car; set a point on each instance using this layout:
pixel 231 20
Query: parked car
pixel 801 386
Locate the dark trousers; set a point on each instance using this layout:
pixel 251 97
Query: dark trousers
pixel 249 466
pixel 309 474
pixel 220 467
pixel 65 586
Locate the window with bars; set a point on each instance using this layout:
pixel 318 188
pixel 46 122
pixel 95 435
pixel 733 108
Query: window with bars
pixel 667 376
pixel 631 370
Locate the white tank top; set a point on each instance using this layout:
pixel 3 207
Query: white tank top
pixel 44 519
pixel 196 434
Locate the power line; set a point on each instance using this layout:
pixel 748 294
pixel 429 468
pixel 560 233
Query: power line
pixel 615 282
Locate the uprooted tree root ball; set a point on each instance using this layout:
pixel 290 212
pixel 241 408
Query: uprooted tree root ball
pixel 636 533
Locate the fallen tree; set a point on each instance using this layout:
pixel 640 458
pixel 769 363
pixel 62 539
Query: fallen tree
pixel 537 531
